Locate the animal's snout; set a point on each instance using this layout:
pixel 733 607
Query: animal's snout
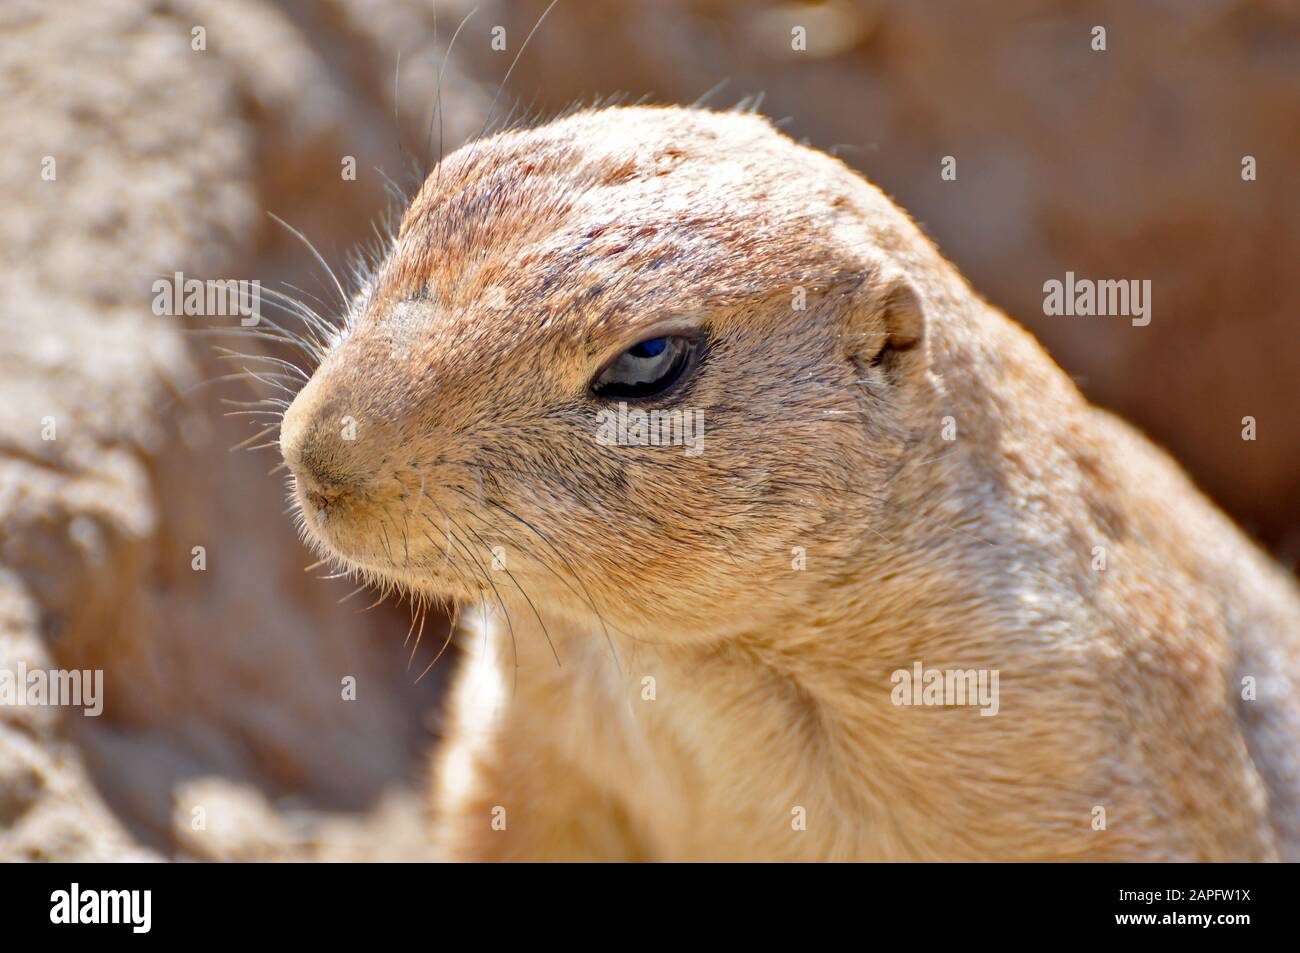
pixel 321 447
pixel 322 482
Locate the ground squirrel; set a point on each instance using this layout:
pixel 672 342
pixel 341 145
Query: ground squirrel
pixel 693 650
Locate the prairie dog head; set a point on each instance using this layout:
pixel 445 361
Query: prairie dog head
pixel 561 301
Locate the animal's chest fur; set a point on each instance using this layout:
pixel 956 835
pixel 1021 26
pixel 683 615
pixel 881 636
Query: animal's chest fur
pixel 710 754
pixel 726 753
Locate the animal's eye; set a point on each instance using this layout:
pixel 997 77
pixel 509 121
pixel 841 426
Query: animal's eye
pixel 646 369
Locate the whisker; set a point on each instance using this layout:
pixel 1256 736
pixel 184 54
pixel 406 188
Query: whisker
pixel 590 601
pixel 343 298
pixel 507 571
pixel 442 69
pixel 510 72
pixel 256 436
pixel 501 602
pixel 360 588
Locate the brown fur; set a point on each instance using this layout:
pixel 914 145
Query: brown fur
pixel 529 259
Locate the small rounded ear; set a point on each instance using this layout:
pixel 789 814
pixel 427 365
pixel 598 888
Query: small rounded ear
pixel 904 316
pixel 889 326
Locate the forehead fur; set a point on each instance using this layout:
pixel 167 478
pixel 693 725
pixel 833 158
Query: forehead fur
pixel 624 214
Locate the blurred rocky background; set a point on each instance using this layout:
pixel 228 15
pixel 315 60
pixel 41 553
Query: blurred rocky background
pixel 224 733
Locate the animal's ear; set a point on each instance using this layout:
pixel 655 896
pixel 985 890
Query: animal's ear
pixel 888 325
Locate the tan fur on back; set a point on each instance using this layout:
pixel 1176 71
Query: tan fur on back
pixel 531 258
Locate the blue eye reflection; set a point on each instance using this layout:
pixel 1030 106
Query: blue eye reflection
pixel 645 369
pixel 652 348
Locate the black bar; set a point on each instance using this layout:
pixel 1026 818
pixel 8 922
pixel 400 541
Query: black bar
pixel 334 903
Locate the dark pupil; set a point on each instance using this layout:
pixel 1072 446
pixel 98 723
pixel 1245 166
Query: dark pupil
pixel 652 348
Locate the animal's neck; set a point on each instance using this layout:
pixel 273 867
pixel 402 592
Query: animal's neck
pixel 792 720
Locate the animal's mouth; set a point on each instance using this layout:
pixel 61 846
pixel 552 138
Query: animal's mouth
pixel 319 501
pixel 382 548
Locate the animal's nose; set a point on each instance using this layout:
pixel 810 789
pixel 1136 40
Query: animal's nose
pixel 319 479
pixel 321 455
